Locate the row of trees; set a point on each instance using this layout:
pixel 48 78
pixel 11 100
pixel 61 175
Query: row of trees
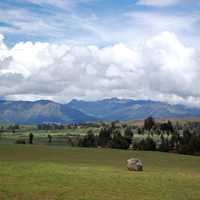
pixel 186 143
pixel 50 126
pixel 31 138
pixel 9 128
pixel 108 137
pixel 161 136
pixel 168 138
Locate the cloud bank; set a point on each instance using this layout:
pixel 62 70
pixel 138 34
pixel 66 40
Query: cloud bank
pixel 161 68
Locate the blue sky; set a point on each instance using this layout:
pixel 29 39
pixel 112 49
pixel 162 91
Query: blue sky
pixel 88 21
pixel 139 49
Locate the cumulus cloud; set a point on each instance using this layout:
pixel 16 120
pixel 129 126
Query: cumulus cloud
pixel 162 68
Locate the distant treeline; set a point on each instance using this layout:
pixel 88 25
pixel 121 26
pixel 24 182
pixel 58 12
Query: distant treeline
pixel 172 138
pixel 164 136
pixel 50 126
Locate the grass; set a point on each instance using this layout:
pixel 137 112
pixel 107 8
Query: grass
pixel 58 136
pixel 63 173
pixel 41 136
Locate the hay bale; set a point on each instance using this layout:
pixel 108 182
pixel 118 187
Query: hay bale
pixel 134 165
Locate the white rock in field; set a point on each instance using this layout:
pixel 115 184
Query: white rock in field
pixel 134 165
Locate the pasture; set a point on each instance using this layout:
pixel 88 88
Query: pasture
pixel 39 172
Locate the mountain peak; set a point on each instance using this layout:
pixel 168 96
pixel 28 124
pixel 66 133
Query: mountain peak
pixel 128 109
pixel 43 102
pixel 27 112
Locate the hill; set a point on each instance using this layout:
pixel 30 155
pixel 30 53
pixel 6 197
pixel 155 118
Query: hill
pixel 41 172
pixel 78 111
pixel 127 109
pixel 27 112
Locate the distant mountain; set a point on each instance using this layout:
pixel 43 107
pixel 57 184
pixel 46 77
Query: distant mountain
pixel 77 111
pixel 127 109
pixel 26 112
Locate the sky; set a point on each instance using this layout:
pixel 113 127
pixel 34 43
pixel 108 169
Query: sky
pixel 95 49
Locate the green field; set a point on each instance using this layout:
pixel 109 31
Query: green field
pixel 41 136
pixel 42 172
pixel 58 136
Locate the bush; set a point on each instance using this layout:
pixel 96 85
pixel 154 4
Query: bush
pixel 187 143
pixel 20 141
pixel 168 127
pixel 49 138
pixel 105 138
pixel 119 142
pixel 128 134
pixel 164 146
pixel 89 140
pixel 147 144
pixel 195 142
pixel 185 149
pixel 174 140
pixel 31 136
pixel 73 140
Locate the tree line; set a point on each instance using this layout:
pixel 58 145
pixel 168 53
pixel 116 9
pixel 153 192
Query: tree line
pixel 184 140
pixel 154 136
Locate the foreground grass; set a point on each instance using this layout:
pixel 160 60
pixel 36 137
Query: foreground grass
pixel 41 173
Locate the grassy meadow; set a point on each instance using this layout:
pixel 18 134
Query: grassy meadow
pixel 59 137
pixel 36 172
pixel 41 136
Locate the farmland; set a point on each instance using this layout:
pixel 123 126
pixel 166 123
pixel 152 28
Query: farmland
pixel 41 172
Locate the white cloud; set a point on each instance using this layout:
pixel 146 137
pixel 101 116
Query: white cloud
pixel 162 68
pixel 47 23
pixel 160 3
pixel 155 22
pixel 64 4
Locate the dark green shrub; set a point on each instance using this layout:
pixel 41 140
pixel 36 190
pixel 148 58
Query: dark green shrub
pixel 20 141
pixel 168 127
pixel 105 137
pixel 174 140
pixel 89 140
pixel 128 134
pixel 31 136
pixel 185 149
pixel 164 146
pixel 147 144
pixel 49 138
pixel 119 142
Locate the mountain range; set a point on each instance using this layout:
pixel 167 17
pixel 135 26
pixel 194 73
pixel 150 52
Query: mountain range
pixel 27 112
pixel 79 111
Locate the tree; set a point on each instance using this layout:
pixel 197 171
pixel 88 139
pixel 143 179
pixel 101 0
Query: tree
pixel 31 136
pixel 167 127
pixel 174 140
pixel 140 131
pixel 1 131
pixel 89 140
pixel 105 137
pixel 194 142
pixel 128 134
pixel 147 144
pixel 164 146
pixel 186 143
pixel 49 138
pixel 119 142
pixel 113 124
pixel 149 123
